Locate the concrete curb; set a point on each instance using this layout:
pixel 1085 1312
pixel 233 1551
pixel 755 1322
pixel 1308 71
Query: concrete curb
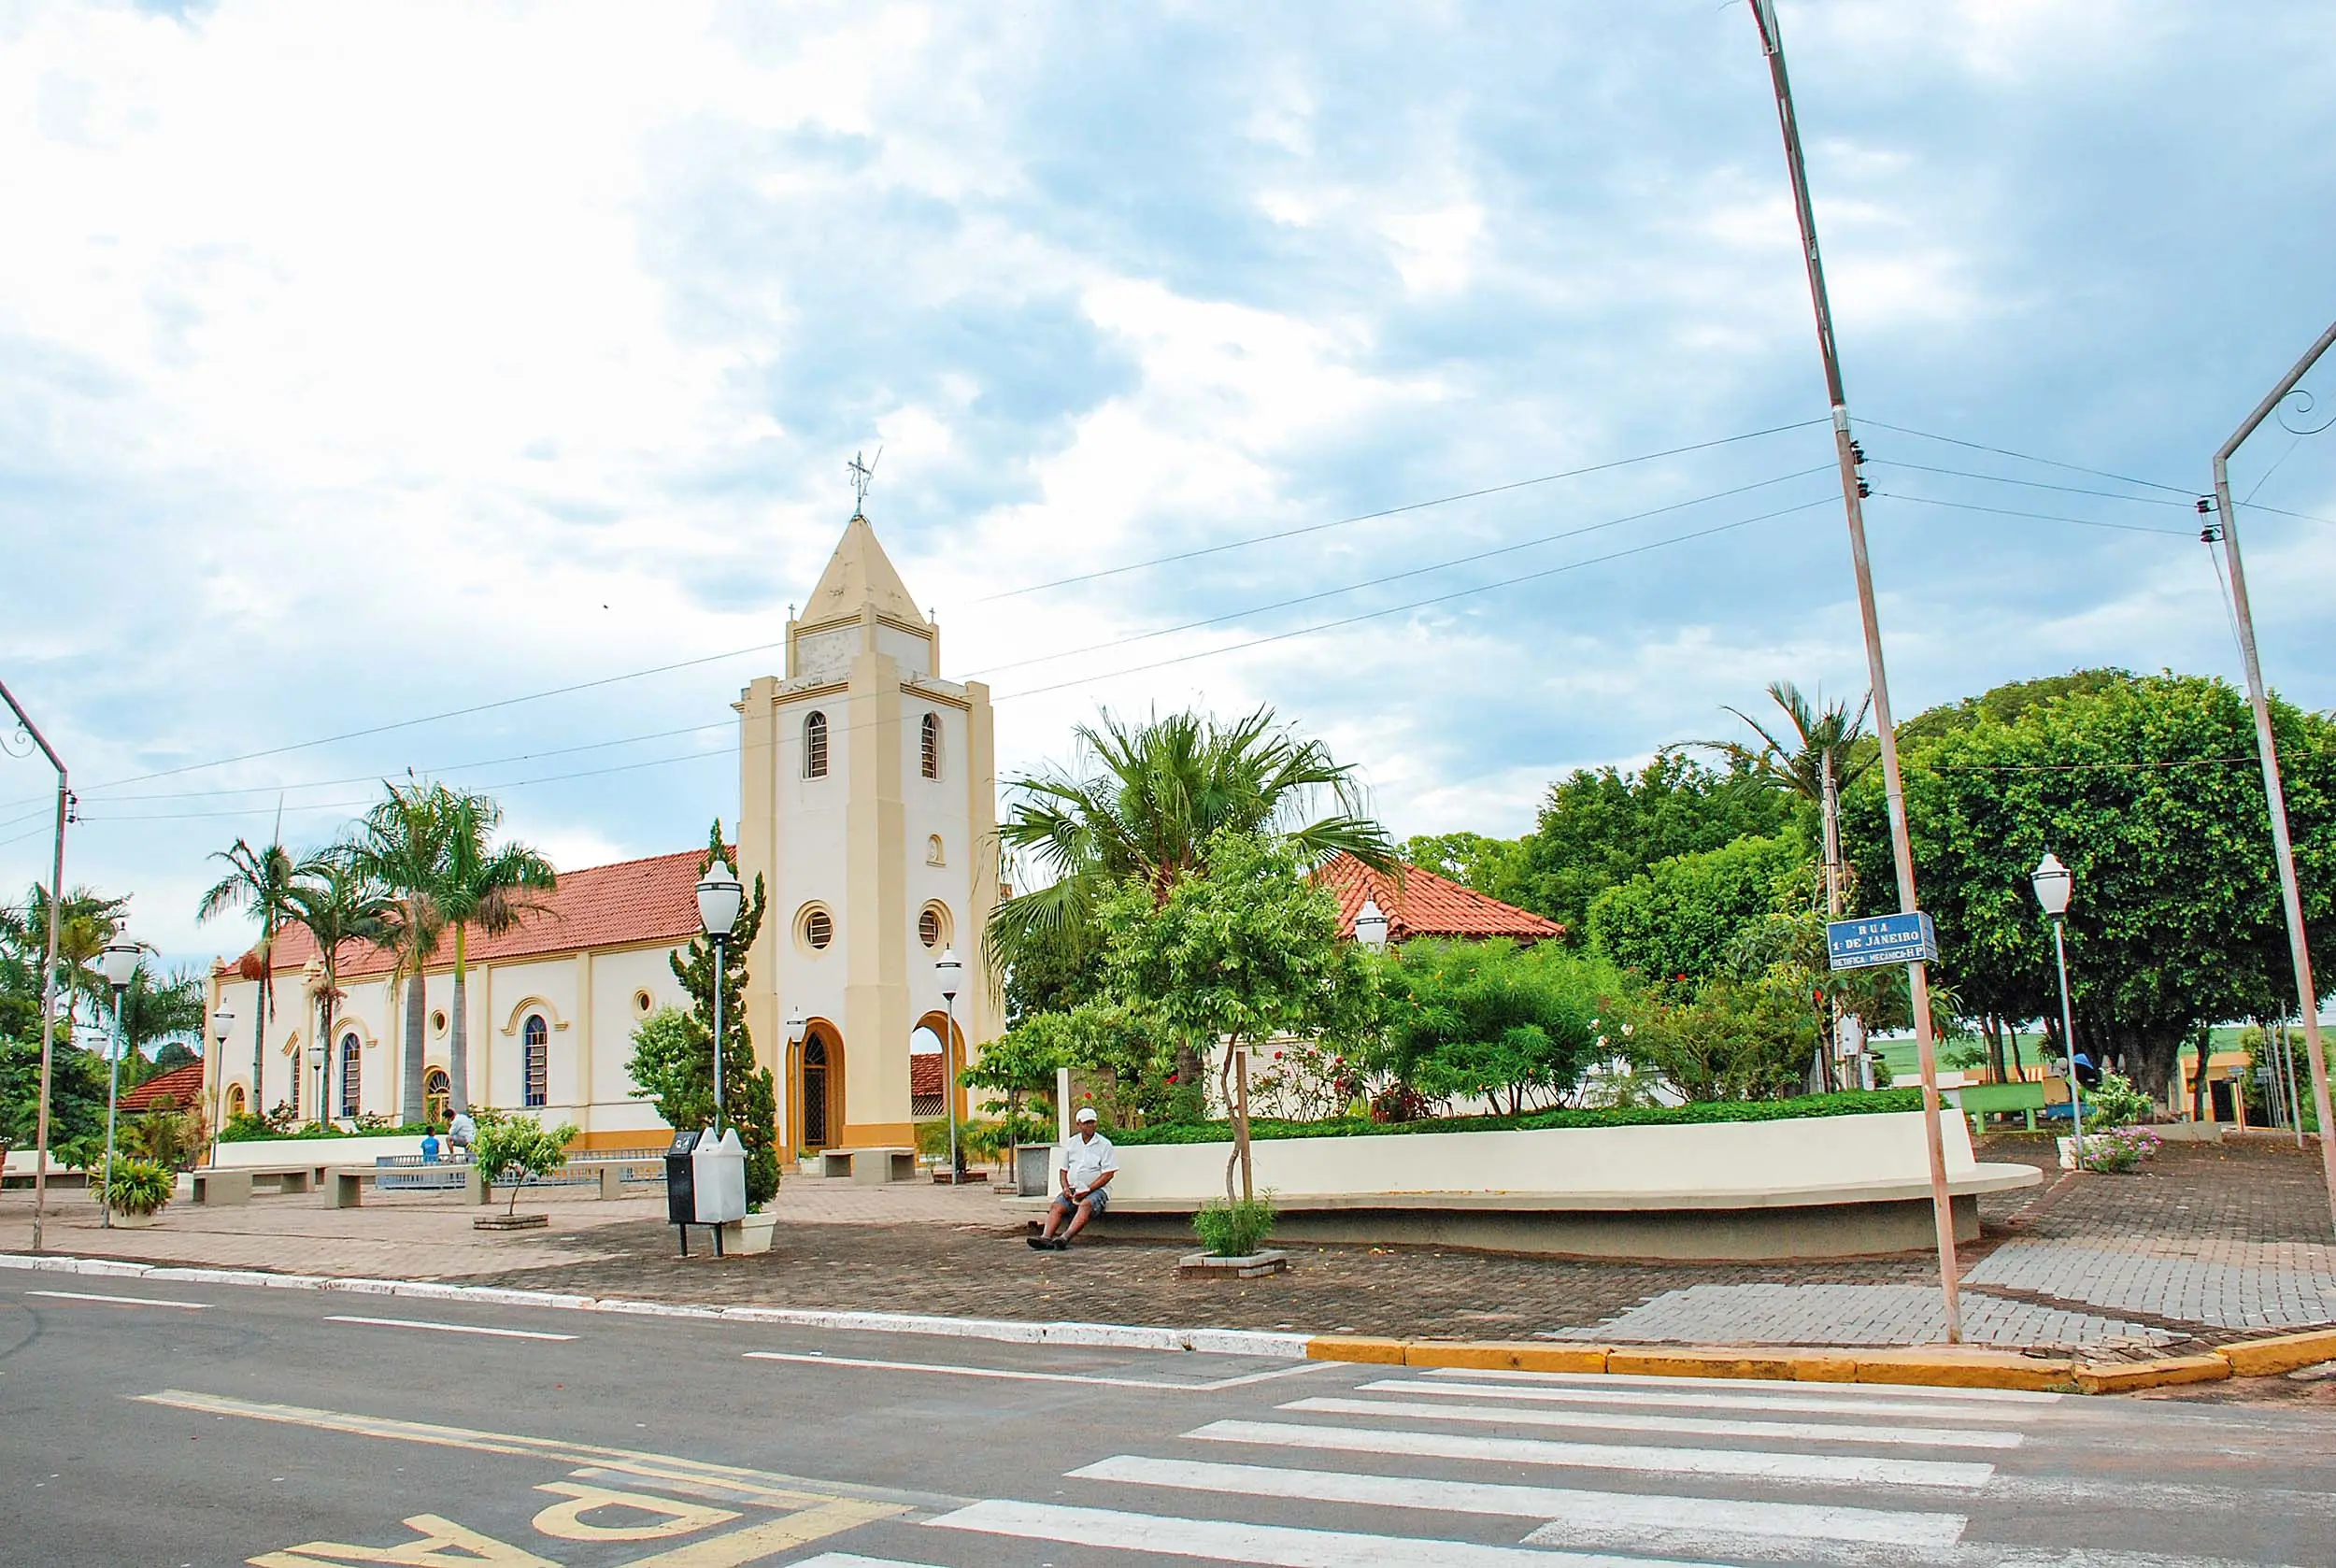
pixel 1934 1366
pixel 1114 1336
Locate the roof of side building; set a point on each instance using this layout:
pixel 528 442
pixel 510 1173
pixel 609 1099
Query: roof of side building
pixel 1419 903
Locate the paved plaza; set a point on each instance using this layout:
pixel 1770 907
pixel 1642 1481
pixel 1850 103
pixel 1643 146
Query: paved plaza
pixel 2206 1246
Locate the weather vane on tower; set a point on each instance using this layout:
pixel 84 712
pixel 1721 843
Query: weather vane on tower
pixel 862 476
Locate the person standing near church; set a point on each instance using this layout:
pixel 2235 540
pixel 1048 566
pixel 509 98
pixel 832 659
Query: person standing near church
pixel 1088 1163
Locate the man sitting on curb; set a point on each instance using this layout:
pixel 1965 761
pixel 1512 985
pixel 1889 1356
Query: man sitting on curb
pixel 1088 1163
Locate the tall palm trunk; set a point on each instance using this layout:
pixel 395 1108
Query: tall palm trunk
pixel 457 1042
pixel 411 1105
pixel 259 1050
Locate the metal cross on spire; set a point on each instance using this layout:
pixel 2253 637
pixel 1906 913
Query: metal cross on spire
pixel 862 474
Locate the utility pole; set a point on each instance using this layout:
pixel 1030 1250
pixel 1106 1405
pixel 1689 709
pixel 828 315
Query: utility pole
pixel 1853 491
pixel 48 969
pixel 2274 796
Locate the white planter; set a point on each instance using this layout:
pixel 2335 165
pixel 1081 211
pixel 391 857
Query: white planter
pixel 750 1234
pixel 124 1220
pixel 314 1151
pixel 2068 1153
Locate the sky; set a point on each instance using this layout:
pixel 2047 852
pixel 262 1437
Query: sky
pixel 365 364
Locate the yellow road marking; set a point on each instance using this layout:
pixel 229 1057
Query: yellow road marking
pixel 565 1520
pixel 439 1536
pixel 759 1540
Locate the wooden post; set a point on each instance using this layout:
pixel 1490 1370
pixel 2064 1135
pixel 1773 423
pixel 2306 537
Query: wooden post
pixel 1241 1118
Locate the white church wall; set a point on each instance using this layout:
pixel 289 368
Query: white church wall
pixel 619 980
pixel 811 859
pixel 912 651
pixel 934 808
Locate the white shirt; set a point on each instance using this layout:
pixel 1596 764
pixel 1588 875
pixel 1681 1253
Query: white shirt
pixel 1087 1160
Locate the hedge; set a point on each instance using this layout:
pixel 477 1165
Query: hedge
pixel 246 1135
pixel 1854 1103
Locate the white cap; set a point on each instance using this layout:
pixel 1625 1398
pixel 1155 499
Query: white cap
pixel 1087 1113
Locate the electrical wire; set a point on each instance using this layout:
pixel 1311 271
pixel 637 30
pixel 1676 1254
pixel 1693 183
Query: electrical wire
pixel 1398 576
pixel 2030 484
pixel 2080 767
pixel 1422 604
pixel 1394 511
pixel 2046 517
pixel 2030 457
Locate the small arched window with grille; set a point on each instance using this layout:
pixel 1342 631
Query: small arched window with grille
pixel 931 752
pixel 352 1074
pixel 815 745
pixel 537 1060
pixel 299 1070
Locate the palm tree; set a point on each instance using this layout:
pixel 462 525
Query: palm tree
pixel 401 845
pixel 1146 806
pixel 258 881
pixel 494 887
pixel 335 904
pixel 86 921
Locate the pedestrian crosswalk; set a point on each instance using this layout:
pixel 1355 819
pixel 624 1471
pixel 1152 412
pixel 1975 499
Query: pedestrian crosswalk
pixel 1466 1467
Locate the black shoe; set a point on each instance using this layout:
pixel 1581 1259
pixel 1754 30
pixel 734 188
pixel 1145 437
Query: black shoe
pixel 1040 1244
pixel 1061 1243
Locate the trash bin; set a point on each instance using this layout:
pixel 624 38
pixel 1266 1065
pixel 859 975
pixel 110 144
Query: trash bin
pixel 681 1204
pixel 718 1177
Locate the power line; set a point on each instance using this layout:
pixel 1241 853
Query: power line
pixel 1422 604
pixel 2030 484
pixel 2030 457
pixel 1398 576
pixel 1393 511
pixel 2084 767
pixel 2046 517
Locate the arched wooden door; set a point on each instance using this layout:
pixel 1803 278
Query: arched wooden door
pixel 821 1093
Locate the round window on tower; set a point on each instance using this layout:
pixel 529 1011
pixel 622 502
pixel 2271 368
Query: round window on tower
pixel 814 928
pixel 934 926
pixel 643 1004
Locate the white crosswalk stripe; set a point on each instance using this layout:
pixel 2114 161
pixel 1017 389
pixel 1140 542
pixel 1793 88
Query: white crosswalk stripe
pixel 1737 1385
pixel 1768 1480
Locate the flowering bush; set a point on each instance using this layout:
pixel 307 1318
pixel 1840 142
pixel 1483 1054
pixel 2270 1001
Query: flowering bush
pixel 2120 1149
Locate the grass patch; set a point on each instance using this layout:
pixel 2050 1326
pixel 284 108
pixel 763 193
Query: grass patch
pixel 1853 1103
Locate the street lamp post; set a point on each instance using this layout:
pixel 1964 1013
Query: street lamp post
pixel 222 1020
pixel 951 971
pixel 48 965
pixel 1371 924
pixel 316 1070
pixel 2053 882
pixel 719 896
pixel 120 964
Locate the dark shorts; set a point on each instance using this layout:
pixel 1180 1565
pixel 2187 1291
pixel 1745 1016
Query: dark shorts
pixel 1100 1198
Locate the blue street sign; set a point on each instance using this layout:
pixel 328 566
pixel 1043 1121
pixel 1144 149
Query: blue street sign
pixel 1880 939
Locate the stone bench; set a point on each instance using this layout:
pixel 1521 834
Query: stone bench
pixel 221 1189
pixel 226 1185
pixel 869 1167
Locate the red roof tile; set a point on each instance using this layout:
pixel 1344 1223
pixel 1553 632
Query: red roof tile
pixel 184 1085
pixel 1419 903
pixel 652 900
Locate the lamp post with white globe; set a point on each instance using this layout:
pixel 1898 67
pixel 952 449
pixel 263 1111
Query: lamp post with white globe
pixel 222 1021
pixel 118 963
pixel 1371 924
pixel 949 971
pixel 718 897
pixel 2053 882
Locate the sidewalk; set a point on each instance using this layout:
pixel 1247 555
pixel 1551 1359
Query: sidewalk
pixel 2205 1247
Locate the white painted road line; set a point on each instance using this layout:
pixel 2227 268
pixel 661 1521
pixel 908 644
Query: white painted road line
pixel 121 1301
pixel 1835 1470
pixel 1739 1384
pixel 447 1328
pixel 813 1359
pixel 1683 1426
pixel 1585 1512
pixel 1696 1399
pixel 1229 1540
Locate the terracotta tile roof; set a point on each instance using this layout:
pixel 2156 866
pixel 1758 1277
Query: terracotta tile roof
pixel 184 1085
pixel 1422 904
pixel 652 900
pixel 924 1076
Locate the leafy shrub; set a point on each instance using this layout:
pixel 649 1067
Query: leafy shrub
pixel 134 1186
pixel 1235 1228
pixel 248 1128
pixel 514 1147
pixel 1852 1103
pixel 2120 1149
pixel 2114 1103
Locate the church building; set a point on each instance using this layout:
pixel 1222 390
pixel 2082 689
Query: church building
pixel 867 806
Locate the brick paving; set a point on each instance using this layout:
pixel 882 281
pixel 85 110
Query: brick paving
pixel 2191 1251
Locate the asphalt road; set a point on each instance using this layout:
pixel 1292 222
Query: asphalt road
pixel 146 1422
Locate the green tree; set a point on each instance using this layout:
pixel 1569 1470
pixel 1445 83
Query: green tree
pixel 1681 919
pixel 1247 951
pixel 1729 1041
pixel 673 1056
pixel 156 1007
pixel 1599 829
pixel 401 846
pixel 1148 801
pixel 1822 752
pixel 337 903
pixel 86 922
pixel 1484 1018
pixel 493 887
pixel 1493 866
pixel 512 1148
pixel 2147 786
pixel 77 1100
pixel 258 883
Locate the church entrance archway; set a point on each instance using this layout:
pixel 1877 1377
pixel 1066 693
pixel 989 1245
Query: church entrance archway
pixel 820 1089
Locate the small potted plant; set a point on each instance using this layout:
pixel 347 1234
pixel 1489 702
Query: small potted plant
pixel 509 1150
pixel 1233 1232
pixel 137 1191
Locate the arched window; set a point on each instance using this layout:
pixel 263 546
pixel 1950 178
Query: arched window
pixel 815 745
pixel 935 854
pixel 814 928
pixel 932 744
pixel 299 1070
pixel 536 1055
pixel 234 1101
pixel 438 1094
pixel 352 1074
